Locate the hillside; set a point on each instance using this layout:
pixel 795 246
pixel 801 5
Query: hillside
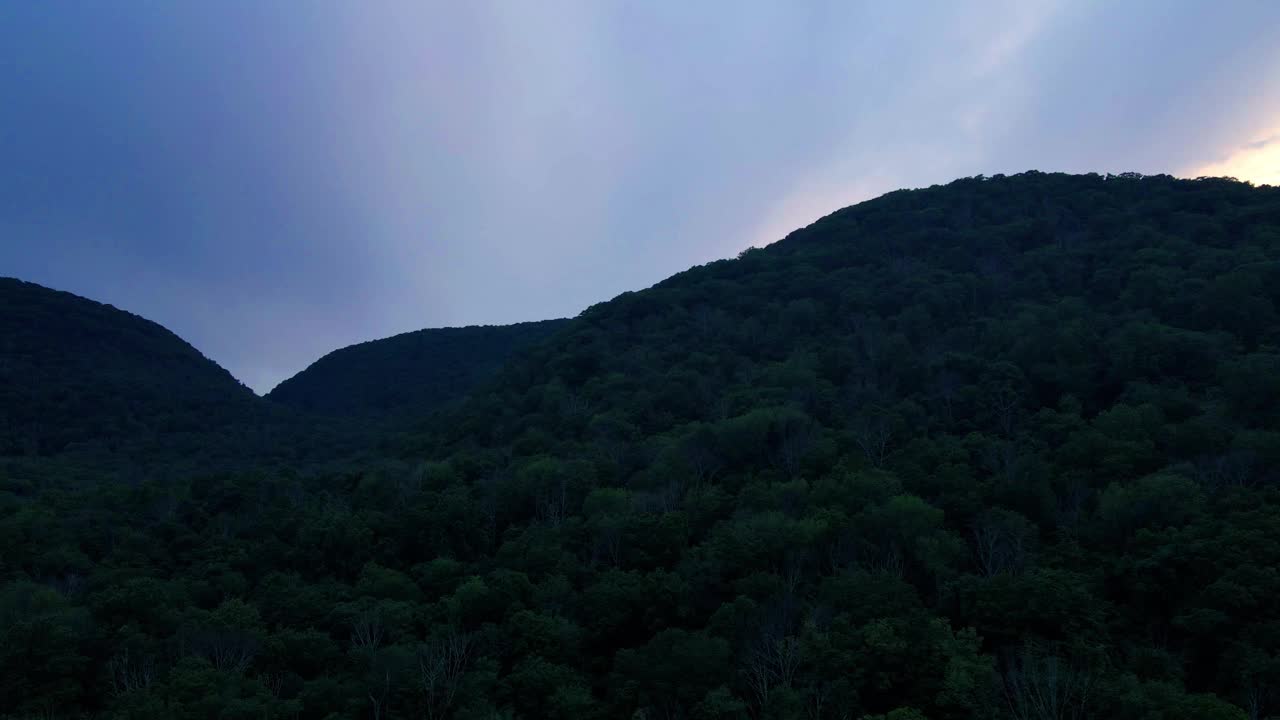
pixel 1004 448
pixel 1017 407
pixel 88 391
pixel 77 373
pixel 407 374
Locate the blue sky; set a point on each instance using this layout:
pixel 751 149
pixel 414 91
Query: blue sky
pixel 273 180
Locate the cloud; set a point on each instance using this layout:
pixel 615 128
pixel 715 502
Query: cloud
pixel 1260 144
pixel 273 181
pixel 1258 162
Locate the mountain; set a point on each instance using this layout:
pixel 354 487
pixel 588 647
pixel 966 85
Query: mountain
pixel 1005 448
pixel 76 374
pixel 407 374
pixel 113 394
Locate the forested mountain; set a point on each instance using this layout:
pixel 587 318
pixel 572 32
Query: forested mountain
pixel 1005 448
pixel 75 373
pixel 89 392
pixel 93 394
pixel 408 373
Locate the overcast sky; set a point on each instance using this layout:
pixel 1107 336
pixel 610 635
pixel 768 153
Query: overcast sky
pixel 273 180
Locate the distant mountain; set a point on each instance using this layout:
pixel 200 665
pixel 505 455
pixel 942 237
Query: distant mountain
pixel 113 393
pixel 408 374
pixel 75 373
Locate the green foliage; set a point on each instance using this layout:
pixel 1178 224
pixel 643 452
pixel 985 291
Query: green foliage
pixel 80 376
pixel 409 373
pixel 1007 448
pixel 91 393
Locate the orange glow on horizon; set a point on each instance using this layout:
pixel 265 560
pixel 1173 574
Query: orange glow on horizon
pixel 1257 162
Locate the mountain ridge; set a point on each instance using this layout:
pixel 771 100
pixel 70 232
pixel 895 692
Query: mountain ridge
pixel 106 386
pixel 939 455
pixel 86 352
pixel 381 376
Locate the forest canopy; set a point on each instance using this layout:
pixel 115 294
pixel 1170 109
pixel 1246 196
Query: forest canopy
pixel 1003 448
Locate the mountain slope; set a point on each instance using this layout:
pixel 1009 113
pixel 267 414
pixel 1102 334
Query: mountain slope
pixel 74 372
pixel 1005 448
pixel 906 295
pixel 1017 407
pixel 112 395
pixel 408 374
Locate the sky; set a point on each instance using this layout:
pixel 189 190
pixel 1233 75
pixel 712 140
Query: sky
pixel 273 180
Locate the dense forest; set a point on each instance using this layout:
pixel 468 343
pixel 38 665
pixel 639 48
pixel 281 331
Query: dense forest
pixel 89 391
pixel 1007 448
pixel 401 376
pixel 76 373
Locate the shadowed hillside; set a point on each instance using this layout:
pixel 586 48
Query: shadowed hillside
pixel 1007 448
pixel 93 392
pixel 408 374
pixel 75 373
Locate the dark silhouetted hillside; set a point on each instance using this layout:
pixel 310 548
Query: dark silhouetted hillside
pixel 1007 448
pixel 76 373
pixel 408 374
